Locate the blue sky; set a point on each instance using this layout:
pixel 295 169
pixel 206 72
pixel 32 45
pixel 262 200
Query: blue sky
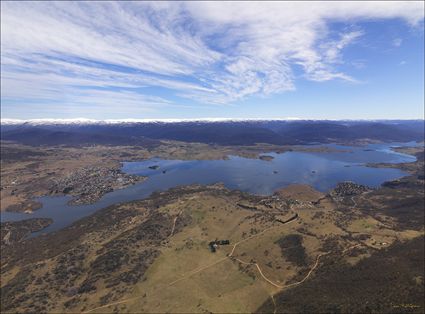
pixel 110 60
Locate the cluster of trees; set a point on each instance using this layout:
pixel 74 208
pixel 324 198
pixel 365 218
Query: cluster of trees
pixel 390 281
pixel 293 250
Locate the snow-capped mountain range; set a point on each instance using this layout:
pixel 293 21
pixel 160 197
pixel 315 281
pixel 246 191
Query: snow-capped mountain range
pixel 129 121
pixel 223 131
pixel 85 121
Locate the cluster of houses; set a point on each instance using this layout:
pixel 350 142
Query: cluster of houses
pixel 87 185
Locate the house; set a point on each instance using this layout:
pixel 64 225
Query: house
pixel 214 244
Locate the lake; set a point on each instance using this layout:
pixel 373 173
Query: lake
pixel 320 170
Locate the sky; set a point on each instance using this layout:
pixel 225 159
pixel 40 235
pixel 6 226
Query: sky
pixel 159 60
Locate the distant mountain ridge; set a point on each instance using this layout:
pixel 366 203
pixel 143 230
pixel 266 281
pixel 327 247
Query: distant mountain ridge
pixel 7 121
pixel 218 131
pixel 129 121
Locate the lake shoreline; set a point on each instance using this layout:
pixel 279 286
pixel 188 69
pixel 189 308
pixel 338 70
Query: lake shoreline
pixel 85 210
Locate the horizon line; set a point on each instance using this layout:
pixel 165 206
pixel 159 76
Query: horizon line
pixel 175 120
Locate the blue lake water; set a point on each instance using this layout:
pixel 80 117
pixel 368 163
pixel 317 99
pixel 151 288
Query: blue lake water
pixel 321 170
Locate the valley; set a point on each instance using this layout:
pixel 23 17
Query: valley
pixel 212 157
pixel 147 255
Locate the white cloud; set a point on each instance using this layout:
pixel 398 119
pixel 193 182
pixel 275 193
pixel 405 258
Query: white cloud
pixel 397 42
pixel 332 49
pixel 212 52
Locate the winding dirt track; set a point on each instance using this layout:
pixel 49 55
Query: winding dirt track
pixel 193 272
pixel 197 270
pixel 354 202
pixel 229 256
pixel 174 223
pixel 292 284
pixel 274 304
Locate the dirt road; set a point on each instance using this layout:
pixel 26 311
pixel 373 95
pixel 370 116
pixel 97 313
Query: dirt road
pixel 229 256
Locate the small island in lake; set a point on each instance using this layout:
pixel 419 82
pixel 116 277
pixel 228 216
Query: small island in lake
pixel 266 157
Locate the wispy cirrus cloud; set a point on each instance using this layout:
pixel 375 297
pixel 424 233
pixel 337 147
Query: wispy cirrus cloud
pixel 94 54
